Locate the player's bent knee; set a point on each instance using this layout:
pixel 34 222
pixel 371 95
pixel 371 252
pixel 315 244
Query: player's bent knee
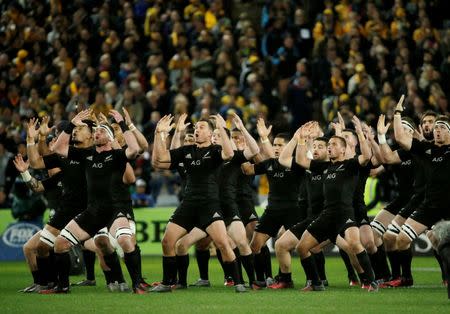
pixel 62 244
pixel 181 248
pixel 43 248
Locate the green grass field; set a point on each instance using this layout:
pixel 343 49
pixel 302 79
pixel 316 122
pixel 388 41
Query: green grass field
pixel 428 296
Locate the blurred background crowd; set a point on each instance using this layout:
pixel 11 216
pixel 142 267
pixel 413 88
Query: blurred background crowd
pixel 287 61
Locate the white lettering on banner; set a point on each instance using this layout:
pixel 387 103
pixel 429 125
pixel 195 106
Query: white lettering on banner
pixel 18 234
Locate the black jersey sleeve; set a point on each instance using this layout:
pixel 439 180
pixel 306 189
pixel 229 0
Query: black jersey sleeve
pixel 403 154
pixel 120 157
pixel 295 167
pixel 419 147
pixel 318 166
pixel 177 156
pixel 52 181
pixel 261 168
pixel 78 154
pixel 216 154
pixel 52 161
pixel 353 164
pixel 239 157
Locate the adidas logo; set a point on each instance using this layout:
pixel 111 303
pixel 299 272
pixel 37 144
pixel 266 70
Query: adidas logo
pixel 348 221
pixel 236 217
pixel 428 151
pixel 89 158
pixel 188 156
pixel 270 168
pixel 364 221
pixel 252 216
pixel 216 215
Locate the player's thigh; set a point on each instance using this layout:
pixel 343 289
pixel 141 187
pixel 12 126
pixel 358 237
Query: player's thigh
pixel 286 242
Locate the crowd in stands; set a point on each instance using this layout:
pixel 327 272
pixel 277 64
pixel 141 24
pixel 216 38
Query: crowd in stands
pixel 303 60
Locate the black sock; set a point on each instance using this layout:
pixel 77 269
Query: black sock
pixel 394 260
pixel 238 259
pixel 132 262
pixel 259 266
pixel 309 266
pixel 375 265
pixel 43 264
pixel 285 277
pixel 348 265
pixel 35 274
pixel 139 264
pixel 108 276
pixel 203 263
pixel 112 261
pixel 182 267
pixel 169 270
pixel 405 257
pixel 319 258
pixel 52 275
pixel 63 268
pixel 441 265
pixel 89 264
pixel 267 261
pixel 248 261
pixel 232 269
pixel 364 261
pixel 363 279
pixel 385 272
pixel 225 270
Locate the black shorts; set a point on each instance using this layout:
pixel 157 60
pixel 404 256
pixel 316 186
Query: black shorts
pixel 361 217
pixel 230 211
pixel 198 214
pixel 62 217
pixel 330 224
pixel 92 220
pixel 299 228
pixel 396 205
pixel 411 205
pixel 272 220
pixel 429 215
pixel 247 211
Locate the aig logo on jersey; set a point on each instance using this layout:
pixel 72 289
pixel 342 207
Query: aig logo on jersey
pixel 406 163
pixel 278 175
pixel 196 163
pixel 438 159
pixel 331 176
pixel 97 165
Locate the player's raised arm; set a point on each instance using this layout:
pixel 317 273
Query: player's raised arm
pixel 252 148
pixel 264 133
pixel 140 138
pixel 388 156
pixel 287 153
pixel 301 157
pixel 160 152
pixel 227 146
pixel 177 138
pixel 44 131
pixel 61 146
pixel 401 137
pixel 34 157
pixel 366 152
pixel 133 148
pixel 22 166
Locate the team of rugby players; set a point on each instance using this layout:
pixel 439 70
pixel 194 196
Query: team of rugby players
pixel 316 197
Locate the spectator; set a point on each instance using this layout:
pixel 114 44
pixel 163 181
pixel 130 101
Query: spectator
pixel 140 198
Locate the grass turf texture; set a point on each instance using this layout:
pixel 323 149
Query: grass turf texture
pixel 429 296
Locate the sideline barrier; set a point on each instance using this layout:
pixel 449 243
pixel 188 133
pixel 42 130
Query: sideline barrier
pixel 150 225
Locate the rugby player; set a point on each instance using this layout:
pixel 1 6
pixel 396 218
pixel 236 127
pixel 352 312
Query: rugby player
pixel 100 163
pixel 338 217
pixel 201 206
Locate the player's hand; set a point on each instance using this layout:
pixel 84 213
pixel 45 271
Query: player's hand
pixel 44 130
pixel 164 124
pixel 368 131
pixel 419 134
pixel 263 131
pixel 181 125
pixel 399 106
pixel 126 116
pixel 116 115
pixel 220 122
pixel 32 132
pixel 357 124
pixel 382 128
pixel 341 121
pixel 237 121
pixel 82 115
pixel 20 164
